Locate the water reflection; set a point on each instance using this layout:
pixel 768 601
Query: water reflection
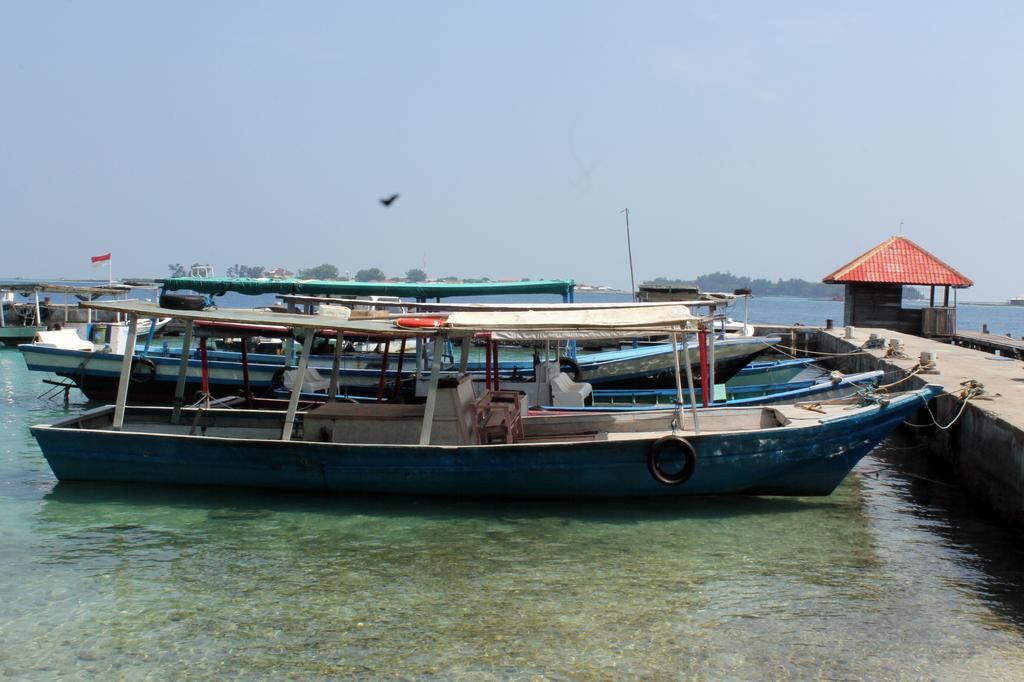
pixel 372 585
pixel 989 557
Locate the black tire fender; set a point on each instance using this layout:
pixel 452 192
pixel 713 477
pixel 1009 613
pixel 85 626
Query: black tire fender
pixel 573 367
pixel 689 454
pixel 143 370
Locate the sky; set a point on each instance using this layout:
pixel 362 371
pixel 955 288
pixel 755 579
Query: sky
pixel 763 139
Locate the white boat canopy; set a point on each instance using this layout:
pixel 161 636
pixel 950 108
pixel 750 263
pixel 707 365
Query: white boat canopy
pixel 494 307
pixel 244 316
pixel 568 323
pixel 633 318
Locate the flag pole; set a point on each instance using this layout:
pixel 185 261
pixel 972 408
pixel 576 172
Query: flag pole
pixel 629 249
pixel 110 270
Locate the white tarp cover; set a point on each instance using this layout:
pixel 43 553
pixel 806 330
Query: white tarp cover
pixel 258 317
pixel 523 335
pixel 618 318
pixel 500 307
pixel 570 323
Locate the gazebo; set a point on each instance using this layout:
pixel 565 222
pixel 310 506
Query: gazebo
pixel 874 289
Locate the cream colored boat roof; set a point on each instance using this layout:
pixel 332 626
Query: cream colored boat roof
pixel 494 307
pixel 561 324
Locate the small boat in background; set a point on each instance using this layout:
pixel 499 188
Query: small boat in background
pixel 835 386
pixel 37 311
pixel 771 372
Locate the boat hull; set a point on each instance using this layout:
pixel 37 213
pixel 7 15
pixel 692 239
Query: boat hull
pixel 758 373
pixel 97 375
pixel 809 460
pixel 14 336
pixel 654 366
pixel 771 394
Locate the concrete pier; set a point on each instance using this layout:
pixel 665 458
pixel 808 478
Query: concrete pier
pixel 985 447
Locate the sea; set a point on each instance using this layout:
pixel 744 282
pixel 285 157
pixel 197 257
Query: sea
pixel 896 575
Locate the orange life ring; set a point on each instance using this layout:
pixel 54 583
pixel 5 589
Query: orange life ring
pixel 419 322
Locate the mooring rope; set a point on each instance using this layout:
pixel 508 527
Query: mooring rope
pixel 899 472
pixel 972 389
pixel 914 371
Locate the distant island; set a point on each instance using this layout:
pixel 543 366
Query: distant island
pixel 796 288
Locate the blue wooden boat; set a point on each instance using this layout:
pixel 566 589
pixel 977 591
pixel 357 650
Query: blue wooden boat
pixel 650 365
pixel 459 443
pixel 761 372
pixel 823 389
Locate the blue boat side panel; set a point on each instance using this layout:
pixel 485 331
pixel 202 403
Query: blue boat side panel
pixel 783 461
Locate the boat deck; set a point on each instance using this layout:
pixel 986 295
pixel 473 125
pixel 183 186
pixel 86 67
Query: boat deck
pixel 267 424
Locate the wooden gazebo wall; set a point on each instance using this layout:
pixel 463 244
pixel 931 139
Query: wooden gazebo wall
pixel 881 306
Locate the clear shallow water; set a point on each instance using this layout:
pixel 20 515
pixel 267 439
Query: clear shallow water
pixel 890 577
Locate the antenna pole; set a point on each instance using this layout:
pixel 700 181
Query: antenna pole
pixel 629 249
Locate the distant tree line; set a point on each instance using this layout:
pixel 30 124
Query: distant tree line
pixel 326 271
pixel 798 288
pixel 254 271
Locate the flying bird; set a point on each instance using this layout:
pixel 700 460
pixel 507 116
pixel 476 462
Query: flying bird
pixel 388 200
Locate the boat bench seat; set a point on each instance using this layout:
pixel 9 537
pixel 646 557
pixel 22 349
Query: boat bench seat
pixel 568 393
pixel 565 437
pixel 364 423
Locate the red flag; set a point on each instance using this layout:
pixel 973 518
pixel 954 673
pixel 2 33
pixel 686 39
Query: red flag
pixel 100 259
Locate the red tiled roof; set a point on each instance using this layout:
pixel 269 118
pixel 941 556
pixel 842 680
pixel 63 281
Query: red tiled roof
pixel 898 260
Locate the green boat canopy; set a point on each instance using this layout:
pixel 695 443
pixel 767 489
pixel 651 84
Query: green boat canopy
pixel 417 290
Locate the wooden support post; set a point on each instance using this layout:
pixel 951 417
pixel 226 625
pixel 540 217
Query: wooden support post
pixel 712 337
pixel 494 363
pixel 420 351
pixel 946 298
pixel 179 386
pixel 204 362
pixel 702 354
pixel 289 343
pixel 689 381
pixel 126 372
pixel 398 372
pixel 246 389
pixel 679 380
pixel 384 370
pixel 931 302
pixel 431 406
pixel 339 348
pixel 149 335
pixel 487 363
pixel 293 401
pixel 464 354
